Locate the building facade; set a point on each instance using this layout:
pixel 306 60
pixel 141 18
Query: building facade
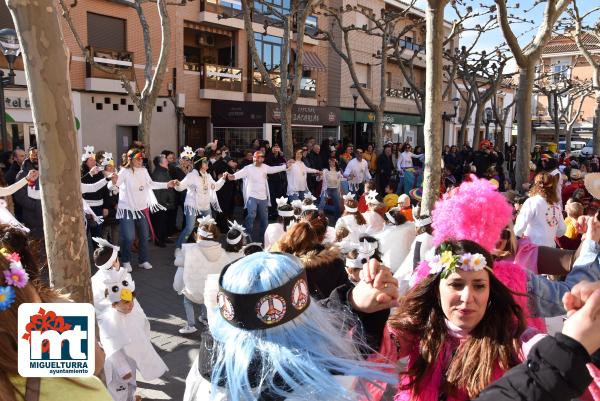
pixel 210 89
pixel 561 59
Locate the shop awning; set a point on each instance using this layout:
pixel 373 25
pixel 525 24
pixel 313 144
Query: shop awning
pixel 313 62
pixel 363 116
pixel 206 28
pixel 18 116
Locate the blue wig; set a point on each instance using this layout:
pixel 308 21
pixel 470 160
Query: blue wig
pixel 303 352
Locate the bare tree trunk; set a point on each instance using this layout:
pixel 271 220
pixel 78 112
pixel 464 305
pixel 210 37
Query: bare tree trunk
pixel 596 133
pixel 144 121
pixel 524 93
pixel 434 82
pixel 286 129
pixel 477 136
pixel 49 89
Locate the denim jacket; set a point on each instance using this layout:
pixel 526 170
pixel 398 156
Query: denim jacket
pixel 545 296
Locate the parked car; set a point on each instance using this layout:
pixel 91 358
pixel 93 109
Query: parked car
pixel 588 149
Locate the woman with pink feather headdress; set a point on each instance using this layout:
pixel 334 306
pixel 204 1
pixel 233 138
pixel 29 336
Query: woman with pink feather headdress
pixel 460 326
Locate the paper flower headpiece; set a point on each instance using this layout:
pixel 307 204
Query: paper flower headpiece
pixel 206 221
pixel 297 204
pixel 234 225
pixel 281 201
pixel 371 197
pixel 312 206
pixel 348 196
pixel 447 262
pixel 115 252
pixel 108 159
pixel 88 151
pixel 14 276
pixel 187 153
pixel 365 249
pixel 309 196
pixel 120 287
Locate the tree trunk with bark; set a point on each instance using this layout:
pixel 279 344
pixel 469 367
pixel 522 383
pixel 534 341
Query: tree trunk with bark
pixel 47 73
pixel 434 82
pixel 523 109
pixel 286 129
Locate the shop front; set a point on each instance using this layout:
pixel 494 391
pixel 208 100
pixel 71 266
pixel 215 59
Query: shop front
pixel 238 124
pixel 397 128
pixel 19 120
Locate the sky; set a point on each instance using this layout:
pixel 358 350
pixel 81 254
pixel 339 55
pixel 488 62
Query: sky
pixel 524 31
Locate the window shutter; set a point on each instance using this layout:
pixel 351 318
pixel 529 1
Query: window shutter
pixel 106 32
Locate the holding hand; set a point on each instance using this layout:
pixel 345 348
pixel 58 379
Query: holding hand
pixel 114 178
pixel 381 295
pixel 593 229
pixel 32 175
pixel 173 184
pixel 94 170
pixel 583 323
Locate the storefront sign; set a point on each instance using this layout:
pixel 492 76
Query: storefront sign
pixel 388 118
pixel 238 114
pixel 17 102
pixel 305 115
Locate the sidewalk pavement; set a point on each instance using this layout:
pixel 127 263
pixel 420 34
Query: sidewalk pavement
pixel 164 308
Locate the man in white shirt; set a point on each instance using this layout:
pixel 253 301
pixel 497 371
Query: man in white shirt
pixel 256 191
pixel 357 173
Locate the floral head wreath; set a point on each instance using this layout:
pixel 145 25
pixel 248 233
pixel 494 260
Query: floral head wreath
pixel 371 197
pixel 203 222
pixel 187 153
pixel 88 151
pixel 447 262
pixel 15 276
pixel 108 159
pixel 234 225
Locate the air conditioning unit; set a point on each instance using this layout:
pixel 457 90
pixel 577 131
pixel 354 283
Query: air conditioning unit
pixel 206 39
pixel 180 100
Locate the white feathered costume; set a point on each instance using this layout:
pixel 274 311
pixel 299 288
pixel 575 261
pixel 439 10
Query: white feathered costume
pixel 126 340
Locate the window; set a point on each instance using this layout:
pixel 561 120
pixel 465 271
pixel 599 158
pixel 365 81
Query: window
pixel 363 72
pixel 269 50
pixel 311 25
pixel 408 42
pixel 560 72
pixel 282 5
pixel 6 20
pixel 106 32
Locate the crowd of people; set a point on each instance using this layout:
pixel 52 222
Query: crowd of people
pixel 321 277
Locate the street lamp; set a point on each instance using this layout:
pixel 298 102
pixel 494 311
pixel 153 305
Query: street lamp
pixel 9 44
pixel 355 98
pixel 489 116
pixel 449 117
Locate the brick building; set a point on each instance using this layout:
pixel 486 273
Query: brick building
pixel 210 80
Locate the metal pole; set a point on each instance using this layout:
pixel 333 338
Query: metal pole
pixel 3 115
pixel 443 129
pixel 354 125
pixel 487 130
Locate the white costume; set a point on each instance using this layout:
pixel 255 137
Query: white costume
pixel 126 341
pixel 375 223
pixel 395 242
pixel 359 170
pixel 136 193
pixel 424 244
pixel 329 236
pixel 349 222
pixel 201 192
pixel 296 178
pixel 255 183
pixel 273 233
pixel 199 260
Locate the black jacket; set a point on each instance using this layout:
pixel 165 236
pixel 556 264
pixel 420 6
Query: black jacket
pixel 32 208
pixel 11 175
pixel 554 371
pixel 325 270
pixel 166 197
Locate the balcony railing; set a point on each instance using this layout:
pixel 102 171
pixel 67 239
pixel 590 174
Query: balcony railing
pixel 229 8
pixel 221 77
pixel 117 60
pixel 400 93
pixel 308 86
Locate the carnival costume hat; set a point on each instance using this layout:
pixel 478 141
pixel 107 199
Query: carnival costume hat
pixel 270 337
pixel 102 243
pixel 308 197
pixel 420 221
pixel 235 226
pixel 107 159
pixel 281 202
pixel 349 196
pixel 371 197
pixel 187 153
pixel 120 287
pixel 458 216
pixel 88 151
pixel 205 222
